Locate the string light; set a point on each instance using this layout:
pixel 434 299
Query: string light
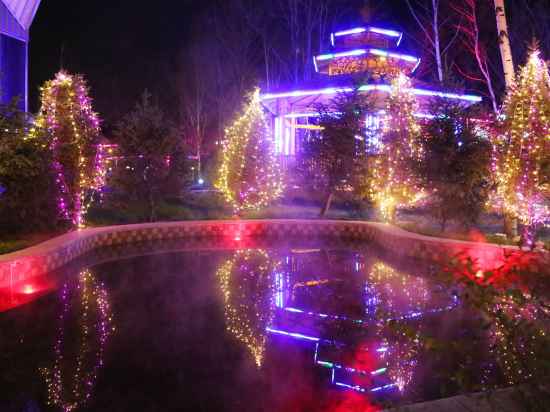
pixel 247 285
pixel 391 183
pixel 249 176
pixel 94 334
pixel 395 290
pixel 67 115
pixel 512 351
pixel 521 150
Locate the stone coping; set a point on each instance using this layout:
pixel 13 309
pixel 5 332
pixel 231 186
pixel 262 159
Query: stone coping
pixel 54 253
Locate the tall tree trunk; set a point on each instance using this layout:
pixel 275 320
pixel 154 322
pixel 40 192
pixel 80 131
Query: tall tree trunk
pixel 437 46
pixel 510 226
pixel 504 43
pixel 326 207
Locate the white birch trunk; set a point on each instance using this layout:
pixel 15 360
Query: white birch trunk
pixel 504 43
pixel 435 7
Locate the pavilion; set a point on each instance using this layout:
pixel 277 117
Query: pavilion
pixel 369 53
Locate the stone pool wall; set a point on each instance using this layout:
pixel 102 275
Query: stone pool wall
pixel 51 255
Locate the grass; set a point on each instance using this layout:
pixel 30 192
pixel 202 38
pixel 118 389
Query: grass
pixel 207 206
pixel 8 246
pixel 475 235
pixel 23 241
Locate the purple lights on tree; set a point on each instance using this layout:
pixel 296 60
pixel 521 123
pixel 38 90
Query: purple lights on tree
pixel 73 127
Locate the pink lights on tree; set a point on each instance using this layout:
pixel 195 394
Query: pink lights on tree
pixel 67 116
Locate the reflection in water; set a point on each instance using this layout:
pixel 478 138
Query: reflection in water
pixel 336 328
pixel 318 298
pixel 84 302
pixel 402 297
pixel 246 281
pixel 516 339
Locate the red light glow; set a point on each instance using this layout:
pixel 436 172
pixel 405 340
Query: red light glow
pixel 28 289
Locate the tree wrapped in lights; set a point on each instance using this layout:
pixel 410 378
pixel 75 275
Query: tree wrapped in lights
pixel 246 281
pixel 249 176
pixel 522 153
pixel 73 128
pixel 391 180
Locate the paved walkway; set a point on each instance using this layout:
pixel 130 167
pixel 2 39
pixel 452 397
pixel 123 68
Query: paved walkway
pixel 504 400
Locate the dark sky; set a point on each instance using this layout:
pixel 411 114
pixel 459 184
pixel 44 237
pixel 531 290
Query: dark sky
pixel 117 44
pixel 124 46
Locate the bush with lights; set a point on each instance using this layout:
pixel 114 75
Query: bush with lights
pixel 249 175
pixel 27 190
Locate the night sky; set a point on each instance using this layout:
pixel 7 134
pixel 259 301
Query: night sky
pixel 123 47
pixel 119 46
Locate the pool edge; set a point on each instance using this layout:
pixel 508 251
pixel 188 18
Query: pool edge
pixel 52 254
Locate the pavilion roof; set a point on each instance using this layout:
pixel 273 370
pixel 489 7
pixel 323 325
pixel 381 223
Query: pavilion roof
pixel 305 96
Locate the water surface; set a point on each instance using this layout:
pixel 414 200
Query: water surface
pixel 313 326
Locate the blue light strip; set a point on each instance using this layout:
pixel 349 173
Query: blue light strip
pixel 369 87
pixel 279 290
pixel 382 112
pixel 355 30
pixel 358 388
pixel 331 365
pixel 399 56
pixel 330 56
pixel 293 335
pixel 360 52
pixel 386 32
pixel 409 315
pixel 381 388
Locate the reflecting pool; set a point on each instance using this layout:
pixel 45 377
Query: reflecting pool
pixel 313 326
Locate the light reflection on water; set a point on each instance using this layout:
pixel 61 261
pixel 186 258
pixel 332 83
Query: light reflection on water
pixel 317 327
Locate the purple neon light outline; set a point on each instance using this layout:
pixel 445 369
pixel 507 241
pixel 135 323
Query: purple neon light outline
pixel 377 30
pixel 293 334
pixel 330 56
pixel 347 32
pixel 370 87
pixel 332 365
pixel 406 316
pixel 299 115
pixel 360 52
pixel 401 56
pixel 386 32
pixel 358 388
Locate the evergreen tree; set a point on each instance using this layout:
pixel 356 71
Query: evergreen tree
pixel 522 151
pixel 27 192
pixel 391 180
pixel 329 162
pixel 249 175
pixel 152 156
pixel 66 115
pixel 454 170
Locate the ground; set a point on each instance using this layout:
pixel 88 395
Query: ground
pixel 206 205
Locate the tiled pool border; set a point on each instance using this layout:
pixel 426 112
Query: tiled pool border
pixel 52 254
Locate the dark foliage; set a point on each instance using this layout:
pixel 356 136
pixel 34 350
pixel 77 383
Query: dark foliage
pixel 27 190
pixel 455 169
pixel 329 160
pixel 153 165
